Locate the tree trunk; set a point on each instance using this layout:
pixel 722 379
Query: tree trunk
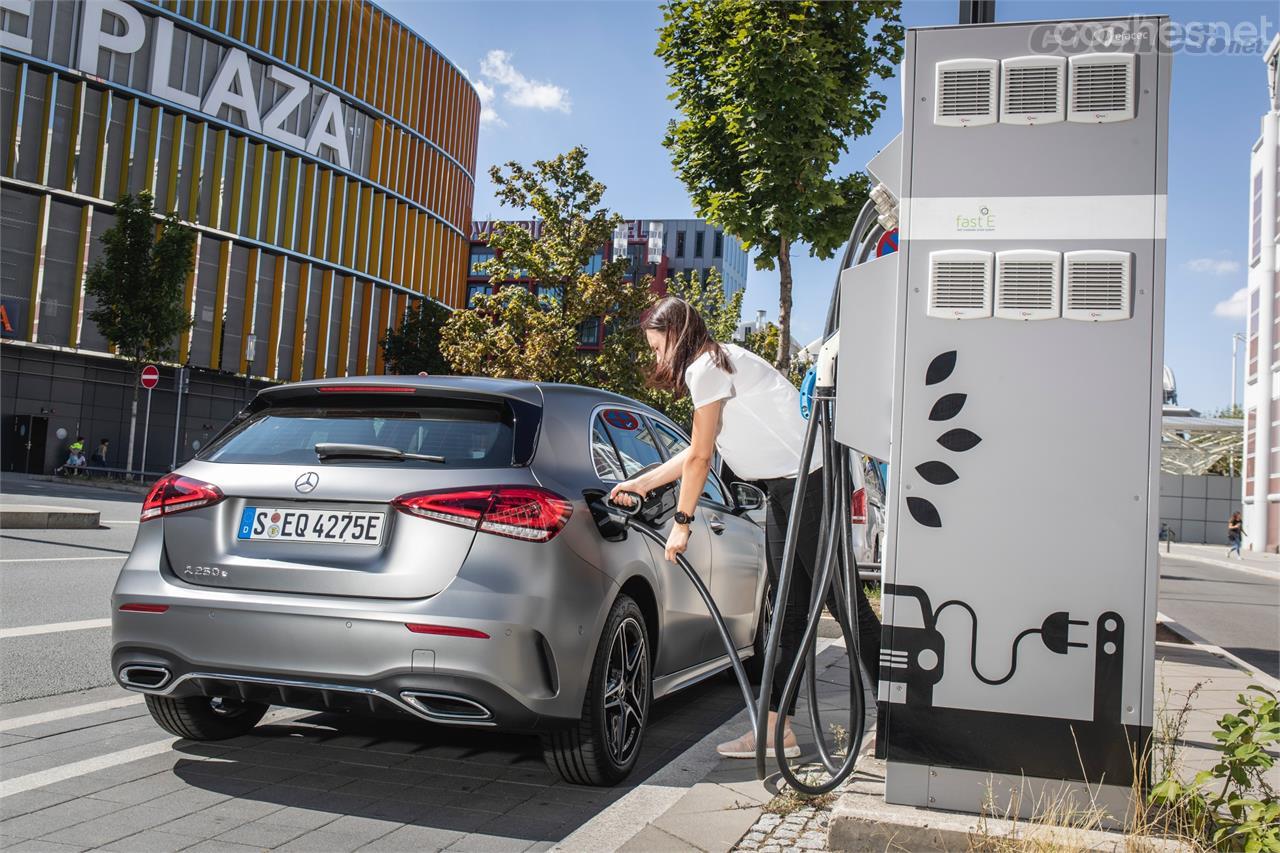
pixel 133 417
pixel 783 360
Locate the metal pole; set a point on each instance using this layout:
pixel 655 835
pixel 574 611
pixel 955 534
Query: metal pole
pixel 146 429
pixel 177 419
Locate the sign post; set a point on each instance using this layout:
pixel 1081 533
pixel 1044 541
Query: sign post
pixel 177 419
pixel 150 378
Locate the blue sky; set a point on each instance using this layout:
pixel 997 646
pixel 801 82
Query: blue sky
pixel 569 73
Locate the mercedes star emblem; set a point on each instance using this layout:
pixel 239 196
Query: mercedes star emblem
pixel 307 482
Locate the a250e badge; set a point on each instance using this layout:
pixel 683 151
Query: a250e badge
pixel 204 572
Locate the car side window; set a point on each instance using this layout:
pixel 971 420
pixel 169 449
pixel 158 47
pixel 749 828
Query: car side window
pixel 603 455
pixel 673 443
pixel 636 446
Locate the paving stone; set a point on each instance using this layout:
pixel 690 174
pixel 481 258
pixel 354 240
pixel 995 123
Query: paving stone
pixel 810 844
pixel 260 834
pixel 150 841
pixel 16 805
pixel 413 838
pixel 478 842
pixel 301 818
pixel 217 819
pixel 322 840
pixel 747 844
pixel 142 790
pixel 718 830
pixel 57 817
pixel 32 845
pixel 361 829
pixel 215 846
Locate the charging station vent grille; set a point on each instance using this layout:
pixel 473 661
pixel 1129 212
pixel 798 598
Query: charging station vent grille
pixel 1096 285
pixel 1101 87
pixel 1033 89
pixel 966 92
pixel 1027 284
pixel 960 284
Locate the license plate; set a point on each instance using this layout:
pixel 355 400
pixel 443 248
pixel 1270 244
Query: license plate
pixel 273 524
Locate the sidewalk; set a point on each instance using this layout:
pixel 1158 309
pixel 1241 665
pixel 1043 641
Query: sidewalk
pixel 704 803
pixel 1216 555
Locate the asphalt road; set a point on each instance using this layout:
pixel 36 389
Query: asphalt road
pixel 1234 609
pixel 50 577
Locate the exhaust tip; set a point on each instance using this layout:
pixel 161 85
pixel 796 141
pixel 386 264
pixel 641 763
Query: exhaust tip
pixel 144 677
pixel 446 707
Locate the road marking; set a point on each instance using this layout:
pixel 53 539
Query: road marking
pixel 59 559
pixel 17 785
pixel 1204 645
pixel 65 713
pixel 39 779
pixel 53 628
pixel 121 521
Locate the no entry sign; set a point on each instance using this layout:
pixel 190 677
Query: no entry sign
pixel 150 376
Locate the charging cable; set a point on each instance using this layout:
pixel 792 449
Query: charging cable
pixel 1054 633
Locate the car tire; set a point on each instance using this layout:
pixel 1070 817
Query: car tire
pixel 755 664
pixel 595 750
pixel 205 717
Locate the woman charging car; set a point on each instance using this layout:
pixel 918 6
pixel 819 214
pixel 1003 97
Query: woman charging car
pixel 750 413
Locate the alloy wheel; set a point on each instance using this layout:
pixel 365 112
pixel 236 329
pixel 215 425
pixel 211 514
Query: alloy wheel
pixel 626 695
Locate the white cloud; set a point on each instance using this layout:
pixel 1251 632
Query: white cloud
pixel 1213 266
pixel 1237 307
pixel 488 115
pixel 517 89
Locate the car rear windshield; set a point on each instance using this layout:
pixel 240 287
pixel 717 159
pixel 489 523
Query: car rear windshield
pixel 467 434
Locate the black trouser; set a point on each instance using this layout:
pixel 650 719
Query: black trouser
pixel 780 492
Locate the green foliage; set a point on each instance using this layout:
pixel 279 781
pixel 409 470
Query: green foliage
pixel 721 316
pixel 137 282
pixel 415 346
pixel 1231 806
pixel 770 95
pixel 513 333
pixel 764 343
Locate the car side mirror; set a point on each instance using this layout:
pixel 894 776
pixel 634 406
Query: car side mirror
pixel 746 497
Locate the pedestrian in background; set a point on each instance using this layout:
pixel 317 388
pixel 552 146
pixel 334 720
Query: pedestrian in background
pixel 99 459
pixel 1235 535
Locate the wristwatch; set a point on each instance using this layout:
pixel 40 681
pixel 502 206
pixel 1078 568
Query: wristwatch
pixel 683 518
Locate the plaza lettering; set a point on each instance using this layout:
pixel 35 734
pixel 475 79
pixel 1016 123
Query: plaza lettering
pixel 231 88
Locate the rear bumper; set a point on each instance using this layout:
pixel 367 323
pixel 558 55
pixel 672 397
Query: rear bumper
pixel 349 654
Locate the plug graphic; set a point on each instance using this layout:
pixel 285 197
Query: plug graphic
pixel 1055 631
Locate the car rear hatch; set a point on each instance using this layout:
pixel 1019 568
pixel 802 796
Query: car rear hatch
pixel 291 521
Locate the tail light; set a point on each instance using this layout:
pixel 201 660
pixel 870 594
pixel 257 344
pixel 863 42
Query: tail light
pixel 173 493
pixel 858 507
pixel 517 512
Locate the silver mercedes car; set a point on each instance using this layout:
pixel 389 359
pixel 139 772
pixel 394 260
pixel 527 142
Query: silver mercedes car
pixel 437 547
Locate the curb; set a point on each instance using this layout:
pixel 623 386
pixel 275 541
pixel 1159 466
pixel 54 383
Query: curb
pixel 106 485
pixel 33 517
pixel 1204 645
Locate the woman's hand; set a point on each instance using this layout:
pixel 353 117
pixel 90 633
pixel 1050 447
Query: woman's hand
pixel 677 541
pixel 618 494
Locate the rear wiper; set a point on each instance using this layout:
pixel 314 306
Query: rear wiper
pixel 369 451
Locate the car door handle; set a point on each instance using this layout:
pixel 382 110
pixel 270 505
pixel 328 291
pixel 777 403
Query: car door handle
pixel 716 524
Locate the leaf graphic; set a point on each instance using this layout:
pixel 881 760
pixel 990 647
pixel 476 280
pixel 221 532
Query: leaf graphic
pixel 937 473
pixel 947 407
pixel 924 512
pixel 959 440
pixel 940 368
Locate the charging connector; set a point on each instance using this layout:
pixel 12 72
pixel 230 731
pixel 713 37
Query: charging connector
pixel 1055 631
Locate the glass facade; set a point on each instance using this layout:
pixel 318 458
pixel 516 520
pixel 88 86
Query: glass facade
pixel 324 153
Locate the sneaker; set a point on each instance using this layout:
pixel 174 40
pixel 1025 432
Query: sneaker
pixel 745 746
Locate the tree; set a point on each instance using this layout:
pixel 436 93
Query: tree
pixel 137 283
pixel 415 346
pixel 721 315
pixel 513 333
pixel 770 94
pixel 764 343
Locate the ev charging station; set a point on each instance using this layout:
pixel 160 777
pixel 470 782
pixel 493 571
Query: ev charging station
pixel 1009 359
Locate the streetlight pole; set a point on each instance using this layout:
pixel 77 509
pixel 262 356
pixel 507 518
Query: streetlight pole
pixel 1236 339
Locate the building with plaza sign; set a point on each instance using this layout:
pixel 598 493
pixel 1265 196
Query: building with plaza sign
pixel 323 151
